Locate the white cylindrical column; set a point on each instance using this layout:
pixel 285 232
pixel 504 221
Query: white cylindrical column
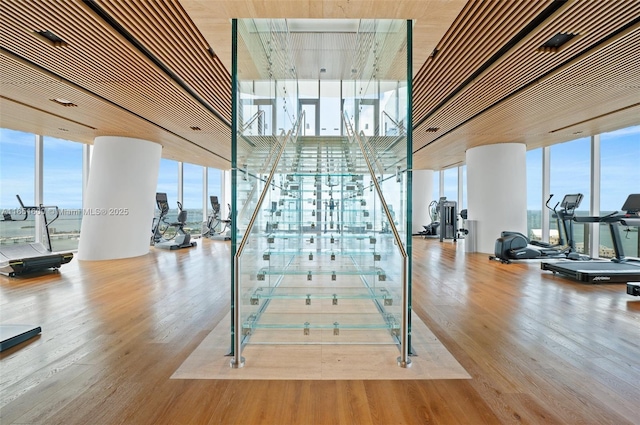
pixel 120 198
pixel 421 198
pixel 496 191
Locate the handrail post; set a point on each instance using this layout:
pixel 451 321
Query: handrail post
pixel 238 361
pixel 403 359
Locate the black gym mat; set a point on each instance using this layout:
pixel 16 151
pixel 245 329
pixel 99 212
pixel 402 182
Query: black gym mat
pixel 11 335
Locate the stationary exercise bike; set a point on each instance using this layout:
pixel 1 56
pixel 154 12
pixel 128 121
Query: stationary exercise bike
pixel 218 229
pixel 516 246
pixel 181 238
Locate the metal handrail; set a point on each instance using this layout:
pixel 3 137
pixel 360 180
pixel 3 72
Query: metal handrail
pixel 253 118
pixel 400 125
pixel 237 361
pixel 240 215
pixel 403 360
pixel 350 130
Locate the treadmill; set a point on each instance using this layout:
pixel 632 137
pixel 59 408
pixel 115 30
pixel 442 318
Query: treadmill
pixel 30 257
pixel 620 269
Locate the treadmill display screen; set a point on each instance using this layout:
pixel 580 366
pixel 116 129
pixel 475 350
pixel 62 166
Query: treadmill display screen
pixel 632 204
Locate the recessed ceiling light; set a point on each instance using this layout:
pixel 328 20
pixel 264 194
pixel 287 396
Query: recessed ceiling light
pixel 50 38
pixel 557 41
pixel 63 102
pixel 432 129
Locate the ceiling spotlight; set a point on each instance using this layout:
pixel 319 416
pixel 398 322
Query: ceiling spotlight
pixel 432 129
pixel 323 69
pixel 554 43
pixel 50 38
pixel 63 102
pixel 194 128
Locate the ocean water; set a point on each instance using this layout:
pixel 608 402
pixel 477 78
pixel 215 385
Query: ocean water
pixel 629 235
pixel 65 231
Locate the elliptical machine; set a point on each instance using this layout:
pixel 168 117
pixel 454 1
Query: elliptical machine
pixel 181 238
pixel 218 229
pixel 516 246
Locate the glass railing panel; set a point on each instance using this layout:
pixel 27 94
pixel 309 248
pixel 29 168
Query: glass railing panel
pixel 318 218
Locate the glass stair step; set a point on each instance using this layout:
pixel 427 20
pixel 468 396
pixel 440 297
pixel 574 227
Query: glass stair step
pixel 308 294
pixel 265 271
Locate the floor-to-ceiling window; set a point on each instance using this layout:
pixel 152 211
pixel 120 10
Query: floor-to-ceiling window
pixel 17 174
pixel 534 194
pixel 570 174
pixel 62 187
pixel 464 188
pixel 330 111
pixel 619 177
pixel 192 197
pixel 451 184
pixel 168 183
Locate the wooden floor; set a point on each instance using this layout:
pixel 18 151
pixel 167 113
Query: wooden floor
pixel 540 349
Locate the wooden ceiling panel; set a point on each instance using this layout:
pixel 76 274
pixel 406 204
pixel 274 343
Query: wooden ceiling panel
pixel 522 69
pixel 431 18
pixel 597 93
pixel 25 105
pixel 99 61
pixel 154 69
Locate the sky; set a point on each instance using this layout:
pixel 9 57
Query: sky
pixel 570 165
pixel 63 174
pixel 570 168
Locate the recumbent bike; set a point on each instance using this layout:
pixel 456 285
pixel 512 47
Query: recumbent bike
pixel 181 238
pixel 516 246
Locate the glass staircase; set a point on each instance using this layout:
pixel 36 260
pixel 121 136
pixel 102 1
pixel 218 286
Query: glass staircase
pixel 320 255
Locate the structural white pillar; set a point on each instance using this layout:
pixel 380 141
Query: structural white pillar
pixel 225 188
pixel 594 208
pixel 421 198
pixel 460 197
pixel 38 190
pixel 546 192
pixel 496 191
pixel 205 194
pixel 181 182
pixel 120 198
pixel 86 167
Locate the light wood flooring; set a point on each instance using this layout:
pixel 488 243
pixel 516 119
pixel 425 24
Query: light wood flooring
pixel 540 349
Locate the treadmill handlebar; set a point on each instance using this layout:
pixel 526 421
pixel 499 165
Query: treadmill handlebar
pixel 38 209
pixel 630 221
pixel 614 216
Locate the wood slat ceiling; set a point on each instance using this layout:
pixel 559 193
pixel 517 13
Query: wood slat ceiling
pixel 154 69
pixel 99 61
pixel 522 67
